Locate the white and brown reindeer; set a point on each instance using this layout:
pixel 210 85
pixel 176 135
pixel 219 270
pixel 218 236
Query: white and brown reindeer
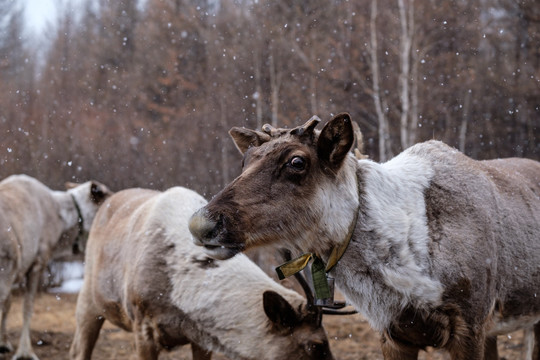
pixel 32 221
pixel 443 251
pixel 144 274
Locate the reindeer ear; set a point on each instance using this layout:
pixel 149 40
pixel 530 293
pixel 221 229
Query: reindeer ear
pixel 98 192
pixel 245 138
pixel 279 311
pixel 335 141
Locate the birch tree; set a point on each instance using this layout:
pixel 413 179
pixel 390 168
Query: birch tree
pixel 275 86
pixel 407 123
pixel 385 150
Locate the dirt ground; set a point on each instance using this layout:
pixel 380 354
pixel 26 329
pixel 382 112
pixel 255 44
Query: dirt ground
pixel 54 322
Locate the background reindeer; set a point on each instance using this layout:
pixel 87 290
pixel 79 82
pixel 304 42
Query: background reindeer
pixel 144 274
pixel 32 221
pixel 434 248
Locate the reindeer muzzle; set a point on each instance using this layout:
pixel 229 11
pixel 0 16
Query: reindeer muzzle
pixel 208 233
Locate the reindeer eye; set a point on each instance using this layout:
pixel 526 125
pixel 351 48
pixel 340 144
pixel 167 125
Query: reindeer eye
pixel 298 163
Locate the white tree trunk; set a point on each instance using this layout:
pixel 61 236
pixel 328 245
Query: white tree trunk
pixel 414 80
pixel 258 90
pixel 405 19
pixel 376 95
pixel 275 83
pixel 313 86
pixel 465 120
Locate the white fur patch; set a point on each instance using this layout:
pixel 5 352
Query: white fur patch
pixel 336 207
pixel 395 213
pixel 228 295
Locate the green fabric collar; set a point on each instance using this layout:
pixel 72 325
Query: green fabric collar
pixel 298 264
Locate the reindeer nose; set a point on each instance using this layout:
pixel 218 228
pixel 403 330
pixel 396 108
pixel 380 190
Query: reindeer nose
pixel 201 227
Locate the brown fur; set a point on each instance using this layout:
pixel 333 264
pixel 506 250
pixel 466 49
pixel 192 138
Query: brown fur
pixel 457 264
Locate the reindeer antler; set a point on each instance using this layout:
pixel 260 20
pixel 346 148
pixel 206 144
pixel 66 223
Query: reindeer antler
pixel 308 127
pixel 269 129
pixel 272 131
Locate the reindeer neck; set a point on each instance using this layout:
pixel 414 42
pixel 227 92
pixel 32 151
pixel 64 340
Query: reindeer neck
pixel 386 267
pixel 67 210
pixel 338 202
pixel 339 249
pixel 392 198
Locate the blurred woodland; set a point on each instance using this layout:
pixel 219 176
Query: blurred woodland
pixel 142 93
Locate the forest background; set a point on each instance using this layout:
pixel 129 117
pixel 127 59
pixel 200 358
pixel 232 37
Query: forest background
pixel 142 93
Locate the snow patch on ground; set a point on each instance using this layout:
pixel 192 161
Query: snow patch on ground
pixel 71 274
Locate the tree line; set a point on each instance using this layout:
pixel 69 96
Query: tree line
pixel 143 94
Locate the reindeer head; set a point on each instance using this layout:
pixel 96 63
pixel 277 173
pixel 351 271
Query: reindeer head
pixel 88 197
pixel 301 334
pixel 291 192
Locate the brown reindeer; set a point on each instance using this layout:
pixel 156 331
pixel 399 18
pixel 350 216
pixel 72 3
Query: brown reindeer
pixel 32 221
pixel 433 248
pixel 144 274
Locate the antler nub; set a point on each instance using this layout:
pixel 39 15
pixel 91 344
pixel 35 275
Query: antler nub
pixel 267 128
pixel 308 127
pixel 272 131
pixel 312 122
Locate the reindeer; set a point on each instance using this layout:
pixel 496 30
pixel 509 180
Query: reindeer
pixel 433 248
pixel 32 221
pixel 144 274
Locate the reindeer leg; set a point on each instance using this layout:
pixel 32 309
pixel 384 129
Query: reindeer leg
pixel 89 323
pixel 472 346
pixel 24 350
pixel 199 353
pixel 535 353
pixel 491 352
pixel 8 274
pixel 394 351
pixel 144 343
pixel 5 346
